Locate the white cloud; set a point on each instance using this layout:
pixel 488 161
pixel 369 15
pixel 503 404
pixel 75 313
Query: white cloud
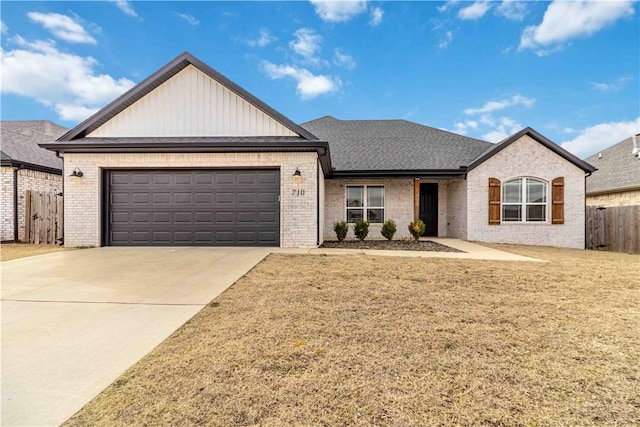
pixel 448 5
pixel 504 127
pixel 565 20
pixel 65 82
pixel 446 40
pixel 265 38
pixel 376 16
pixel 306 44
pixel 3 28
pixel 338 10
pixel 125 7
pixel 62 27
pixel 189 18
pixel 343 60
pixel 617 84
pixel 476 11
pixel 492 106
pixel 309 85
pixel 592 139
pixel 512 9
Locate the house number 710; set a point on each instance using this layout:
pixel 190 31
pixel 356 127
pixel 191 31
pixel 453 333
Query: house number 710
pixel 297 193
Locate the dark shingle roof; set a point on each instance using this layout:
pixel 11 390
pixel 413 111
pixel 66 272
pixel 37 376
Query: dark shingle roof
pixel 20 140
pixel 617 168
pixel 376 145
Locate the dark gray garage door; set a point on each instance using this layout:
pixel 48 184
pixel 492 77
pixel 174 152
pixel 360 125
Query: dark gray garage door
pixel 193 207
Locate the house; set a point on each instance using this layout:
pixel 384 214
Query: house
pixel 617 180
pixel 25 166
pixel 188 157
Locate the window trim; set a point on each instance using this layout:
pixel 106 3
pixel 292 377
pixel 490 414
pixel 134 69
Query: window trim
pixel 524 192
pixel 365 207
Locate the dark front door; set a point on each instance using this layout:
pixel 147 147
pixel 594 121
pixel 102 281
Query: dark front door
pixel 429 208
pixel 169 207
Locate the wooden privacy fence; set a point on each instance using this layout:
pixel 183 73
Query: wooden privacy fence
pixel 614 228
pixel 43 218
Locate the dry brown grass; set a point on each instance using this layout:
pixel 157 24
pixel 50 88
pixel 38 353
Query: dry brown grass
pixel 355 340
pixel 10 251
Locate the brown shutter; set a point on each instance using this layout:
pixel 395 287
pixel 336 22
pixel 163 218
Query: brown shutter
pixel 494 201
pixel 557 201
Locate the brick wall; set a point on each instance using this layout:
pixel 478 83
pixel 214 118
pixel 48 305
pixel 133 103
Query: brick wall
pixel 625 198
pixel 457 209
pixel 6 204
pixel 27 180
pixel 526 157
pixel 82 216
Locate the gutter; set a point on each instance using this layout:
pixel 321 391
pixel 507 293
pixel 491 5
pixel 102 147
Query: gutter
pixel 399 173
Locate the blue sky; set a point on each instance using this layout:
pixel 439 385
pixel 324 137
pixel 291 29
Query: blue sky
pixel 569 69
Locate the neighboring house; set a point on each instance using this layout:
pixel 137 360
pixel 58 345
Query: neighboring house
pixel 26 166
pixel 617 180
pixel 188 157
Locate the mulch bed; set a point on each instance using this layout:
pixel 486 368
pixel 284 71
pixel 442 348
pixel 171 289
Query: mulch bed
pixel 390 245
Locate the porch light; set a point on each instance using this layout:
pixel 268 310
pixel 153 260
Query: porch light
pixel 77 172
pixel 297 173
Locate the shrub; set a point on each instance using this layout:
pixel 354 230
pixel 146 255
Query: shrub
pixel 341 228
pixel 417 228
pixel 388 229
pixel 361 229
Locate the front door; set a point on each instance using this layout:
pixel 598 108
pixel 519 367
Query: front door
pixel 429 208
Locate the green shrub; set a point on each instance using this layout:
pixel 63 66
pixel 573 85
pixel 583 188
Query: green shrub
pixel 417 228
pixel 341 228
pixel 388 229
pixel 361 229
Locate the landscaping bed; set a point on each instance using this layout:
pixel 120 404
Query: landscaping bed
pixel 390 245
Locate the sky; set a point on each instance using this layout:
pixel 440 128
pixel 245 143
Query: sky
pixel 485 69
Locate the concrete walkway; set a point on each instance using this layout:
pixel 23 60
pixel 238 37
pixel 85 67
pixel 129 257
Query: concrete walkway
pixel 73 322
pixel 470 251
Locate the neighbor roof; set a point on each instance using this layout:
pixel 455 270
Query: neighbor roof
pixel 20 144
pixel 162 75
pixel 618 169
pixel 394 145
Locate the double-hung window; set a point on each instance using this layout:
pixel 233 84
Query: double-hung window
pixel 365 202
pixel 524 200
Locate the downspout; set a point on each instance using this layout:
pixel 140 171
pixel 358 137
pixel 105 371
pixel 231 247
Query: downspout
pixel 585 210
pixel 15 203
pixel 318 203
pixel 61 239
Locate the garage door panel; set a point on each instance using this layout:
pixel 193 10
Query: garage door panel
pixel 194 207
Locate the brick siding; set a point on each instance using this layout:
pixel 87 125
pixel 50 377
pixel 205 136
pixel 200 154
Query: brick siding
pixel 527 158
pixel 624 198
pixel 83 212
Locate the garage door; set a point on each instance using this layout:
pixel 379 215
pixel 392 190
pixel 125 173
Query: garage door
pixel 219 207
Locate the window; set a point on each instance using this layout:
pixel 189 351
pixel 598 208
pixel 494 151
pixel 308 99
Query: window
pixel 524 200
pixel 365 202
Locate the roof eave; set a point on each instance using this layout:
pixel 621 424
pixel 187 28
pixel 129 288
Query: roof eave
pixel 163 74
pixel 31 166
pixel 400 173
pixel 540 139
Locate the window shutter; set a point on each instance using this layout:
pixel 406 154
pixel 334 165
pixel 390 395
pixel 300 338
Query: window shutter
pixel 494 201
pixel 557 201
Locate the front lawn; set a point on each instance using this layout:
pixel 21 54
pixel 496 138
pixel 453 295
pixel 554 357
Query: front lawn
pixel 362 340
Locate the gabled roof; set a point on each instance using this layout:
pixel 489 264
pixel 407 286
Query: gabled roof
pixel 162 75
pixel 618 169
pixel 496 148
pixel 394 145
pixel 20 144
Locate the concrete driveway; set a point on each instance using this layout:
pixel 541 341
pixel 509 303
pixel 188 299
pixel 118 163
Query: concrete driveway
pixel 72 322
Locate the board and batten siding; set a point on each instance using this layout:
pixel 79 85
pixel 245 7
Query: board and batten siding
pixel 191 104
